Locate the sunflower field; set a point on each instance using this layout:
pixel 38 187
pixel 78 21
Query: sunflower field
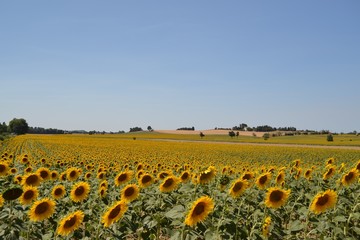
pixel 105 187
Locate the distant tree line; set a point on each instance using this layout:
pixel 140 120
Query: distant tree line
pixel 263 128
pixel 136 129
pixel 186 128
pixel 40 130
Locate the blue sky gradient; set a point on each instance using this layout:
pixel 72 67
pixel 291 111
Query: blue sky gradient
pixel 113 65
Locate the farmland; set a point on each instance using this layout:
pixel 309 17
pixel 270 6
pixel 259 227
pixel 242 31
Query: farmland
pixel 133 186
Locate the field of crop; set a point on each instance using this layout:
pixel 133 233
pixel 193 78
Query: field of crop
pixel 115 187
pixel 339 140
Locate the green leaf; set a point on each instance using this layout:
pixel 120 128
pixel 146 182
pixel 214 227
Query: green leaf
pixel 340 219
pixel 296 226
pixel 176 212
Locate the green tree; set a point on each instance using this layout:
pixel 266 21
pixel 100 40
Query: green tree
pixel 266 136
pixel 3 128
pixel 330 138
pixel 18 126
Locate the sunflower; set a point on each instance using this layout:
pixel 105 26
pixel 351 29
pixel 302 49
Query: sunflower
pixel 1 201
pixel 163 174
pixel 123 177
pixel 207 175
pixel 330 161
pixel 266 227
pixel 44 173
pixel 280 177
pixel 146 180
pixel 4 168
pixel 350 177
pixel 238 187
pixel 62 176
pixel 28 169
pixel 323 201
pixel 358 166
pixel 24 160
pixel 29 194
pixel 169 184
pixel 13 170
pixel 102 192
pixel 263 180
pixel 247 176
pixel 342 166
pixel 101 175
pixel 114 213
pixel 58 191
pixel 72 174
pixel 18 179
pixel 185 176
pixel 200 209
pixel 276 197
pixel 130 193
pixel 297 162
pixel 70 223
pixel 31 179
pixel 41 210
pixel 104 184
pixel 329 173
pixel 54 175
pixel 307 174
pixel 88 175
pixel 80 191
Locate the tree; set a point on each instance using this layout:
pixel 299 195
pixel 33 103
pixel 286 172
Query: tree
pixel 330 138
pixel 202 134
pixel 135 129
pixel 3 128
pixel 149 128
pixel 266 136
pixel 18 126
pixel 232 134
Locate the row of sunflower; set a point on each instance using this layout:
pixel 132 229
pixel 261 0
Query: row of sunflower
pixel 61 193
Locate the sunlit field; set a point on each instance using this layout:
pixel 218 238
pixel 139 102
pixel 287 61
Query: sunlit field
pixel 339 140
pixel 133 186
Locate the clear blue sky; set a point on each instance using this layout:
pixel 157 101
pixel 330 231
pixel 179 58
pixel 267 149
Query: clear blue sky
pixel 112 65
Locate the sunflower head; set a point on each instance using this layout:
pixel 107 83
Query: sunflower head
pixel 169 184
pixel 31 179
pixel 263 180
pixel 44 173
pixel 185 176
pixel 276 197
pixel 207 175
pixel 114 213
pixel 307 174
pixel 247 176
pixel 329 172
pixel 200 209
pixel 130 193
pixel 72 174
pixel 4 168
pixel 323 201
pixel 70 223
pixel 80 191
pixel 29 194
pixel 280 177
pixel 350 177
pixel 266 227
pixel 123 177
pixel 58 192
pixel 238 187
pixel 42 209
pixel 146 180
